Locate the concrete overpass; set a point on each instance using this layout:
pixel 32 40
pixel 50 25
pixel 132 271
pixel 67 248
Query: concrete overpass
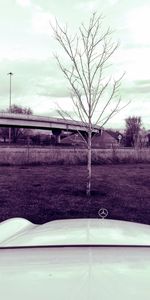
pixel 47 123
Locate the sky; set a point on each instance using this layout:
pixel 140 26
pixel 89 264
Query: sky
pixel 28 46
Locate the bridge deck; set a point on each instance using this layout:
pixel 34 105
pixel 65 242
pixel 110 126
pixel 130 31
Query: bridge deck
pixel 32 121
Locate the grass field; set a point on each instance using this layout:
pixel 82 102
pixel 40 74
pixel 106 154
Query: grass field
pixel 44 193
pixel 68 156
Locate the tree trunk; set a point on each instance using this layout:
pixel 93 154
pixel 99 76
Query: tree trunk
pixel 88 187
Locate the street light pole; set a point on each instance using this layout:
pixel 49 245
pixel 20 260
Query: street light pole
pixel 10 74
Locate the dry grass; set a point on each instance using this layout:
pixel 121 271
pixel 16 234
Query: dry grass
pixel 35 156
pixel 44 193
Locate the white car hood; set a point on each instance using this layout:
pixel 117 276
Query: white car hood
pixel 20 232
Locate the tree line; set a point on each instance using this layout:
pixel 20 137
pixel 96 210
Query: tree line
pixel 135 134
pixel 16 132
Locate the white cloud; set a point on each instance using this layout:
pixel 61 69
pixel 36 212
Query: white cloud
pixel 139 24
pixel 134 61
pixel 41 22
pixel 138 65
pixel 24 3
pixel 87 6
pixel 20 53
pixel 113 2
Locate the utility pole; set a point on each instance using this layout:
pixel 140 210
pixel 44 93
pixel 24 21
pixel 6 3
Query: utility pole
pixel 10 74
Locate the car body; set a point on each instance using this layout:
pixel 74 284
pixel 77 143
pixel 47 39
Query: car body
pixel 74 259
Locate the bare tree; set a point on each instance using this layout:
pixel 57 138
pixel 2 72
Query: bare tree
pixel 16 132
pixel 133 128
pixel 86 70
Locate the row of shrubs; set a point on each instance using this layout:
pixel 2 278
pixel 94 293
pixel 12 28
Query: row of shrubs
pixel 37 156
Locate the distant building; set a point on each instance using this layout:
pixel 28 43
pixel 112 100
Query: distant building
pixel 104 139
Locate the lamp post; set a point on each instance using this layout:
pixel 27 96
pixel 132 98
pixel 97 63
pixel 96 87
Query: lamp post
pixel 10 75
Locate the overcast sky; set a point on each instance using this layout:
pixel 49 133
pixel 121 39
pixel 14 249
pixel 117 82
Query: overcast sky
pixel 27 47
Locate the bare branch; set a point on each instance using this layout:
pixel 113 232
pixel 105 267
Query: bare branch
pixel 114 90
pixel 63 113
pixel 76 91
pixel 98 95
pixel 80 112
pixel 114 112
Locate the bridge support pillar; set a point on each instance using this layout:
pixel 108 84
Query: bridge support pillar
pixel 57 133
